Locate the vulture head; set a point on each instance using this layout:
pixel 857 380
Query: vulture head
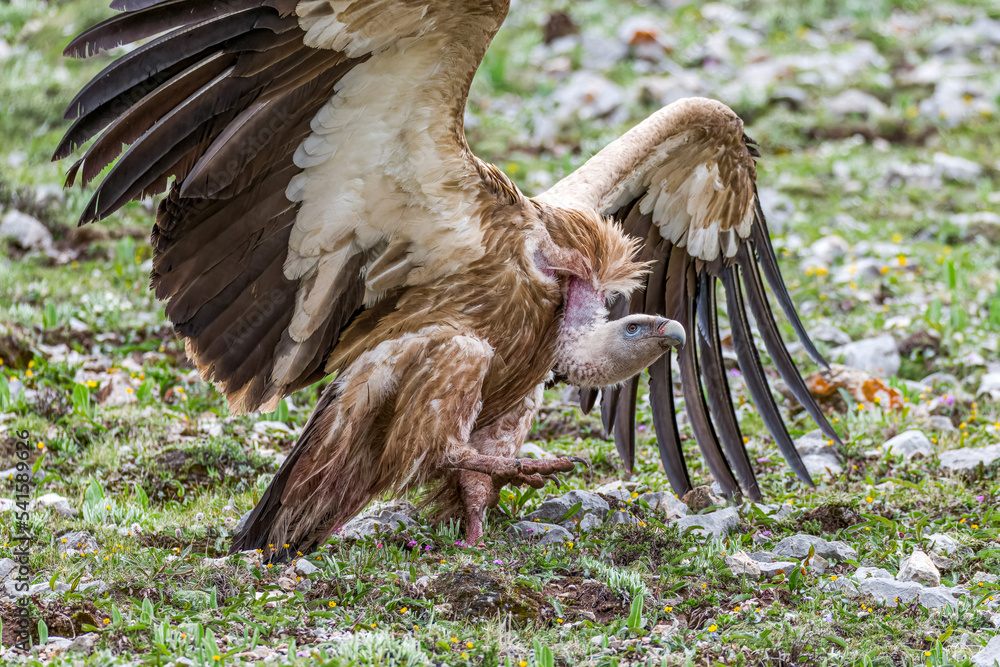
pixel 605 354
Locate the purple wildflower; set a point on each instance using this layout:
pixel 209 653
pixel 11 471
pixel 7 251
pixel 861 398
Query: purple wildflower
pixel 980 499
pixel 828 617
pixel 734 372
pixel 411 543
pixel 948 400
pixel 498 562
pixel 766 533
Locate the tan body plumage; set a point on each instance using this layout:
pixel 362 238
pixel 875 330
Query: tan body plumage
pixel 324 215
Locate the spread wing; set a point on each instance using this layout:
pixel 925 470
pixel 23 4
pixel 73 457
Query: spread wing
pixel 683 181
pixel 313 157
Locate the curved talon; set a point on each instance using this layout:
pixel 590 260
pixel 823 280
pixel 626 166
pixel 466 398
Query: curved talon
pixel 578 459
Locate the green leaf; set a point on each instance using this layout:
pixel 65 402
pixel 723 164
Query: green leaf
pixel 836 640
pixel 571 512
pixel 43 633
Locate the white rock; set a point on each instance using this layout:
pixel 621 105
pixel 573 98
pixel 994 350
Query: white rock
pixel 717 523
pixel 821 465
pixel 666 503
pixel 618 490
pixel 797 546
pixel 989 656
pixel 828 249
pixel 742 565
pixel 854 101
pixel 878 356
pixel 956 168
pixel 943 544
pixel 830 335
pixel 545 533
pixel 26 232
pixel 587 95
pixel 969 458
pixel 919 568
pixel 990 385
pixel 872 573
pixel 908 444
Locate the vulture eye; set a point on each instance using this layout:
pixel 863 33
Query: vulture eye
pixel 632 328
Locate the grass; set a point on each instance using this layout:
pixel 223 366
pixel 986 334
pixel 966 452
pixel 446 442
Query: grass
pixel 161 478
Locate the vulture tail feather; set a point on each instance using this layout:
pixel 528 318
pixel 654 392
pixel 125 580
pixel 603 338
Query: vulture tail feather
pixel 713 372
pixel 768 329
pixel 761 238
pixel 588 398
pixel 753 371
pixel 691 383
pixel 625 422
pixel 668 439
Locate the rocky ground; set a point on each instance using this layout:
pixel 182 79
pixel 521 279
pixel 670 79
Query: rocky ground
pixel 878 124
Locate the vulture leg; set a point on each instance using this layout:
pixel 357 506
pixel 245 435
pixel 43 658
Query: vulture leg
pixel 385 424
pixel 502 438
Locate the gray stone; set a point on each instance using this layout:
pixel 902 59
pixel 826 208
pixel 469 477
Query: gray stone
pixel 872 573
pixel 554 510
pixel 742 565
pixel 956 168
pixel 886 591
pixel 79 540
pixel 715 524
pixel 84 643
pixel 25 232
pixel 908 444
pixel 545 533
pixel 989 656
pixel 984 578
pixel 969 458
pixel 304 567
pixel 665 503
pixel 919 567
pixel 878 356
pixel 7 566
pixel 797 546
pixel 58 643
pixel 941 596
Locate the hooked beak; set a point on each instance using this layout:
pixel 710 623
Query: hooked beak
pixel 671 333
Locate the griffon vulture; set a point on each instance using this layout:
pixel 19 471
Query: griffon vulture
pixel 324 215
